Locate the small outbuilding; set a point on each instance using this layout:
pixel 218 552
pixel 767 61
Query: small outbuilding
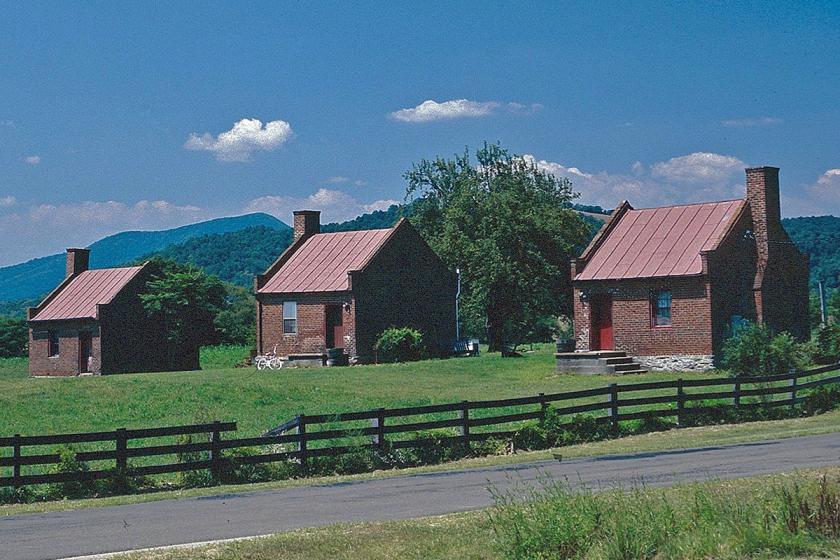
pixel 94 323
pixel 668 285
pixel 334 293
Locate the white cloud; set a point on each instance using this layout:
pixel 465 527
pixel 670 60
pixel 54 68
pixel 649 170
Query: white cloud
pixel 32 160
pixel 521 109
pixel 246 137
pixel 751 122
pixel 335 206
pixel 816 199
pixel 699 167
pixel 431 110
pixel 7 201
pixel 694 177
pixel 49 228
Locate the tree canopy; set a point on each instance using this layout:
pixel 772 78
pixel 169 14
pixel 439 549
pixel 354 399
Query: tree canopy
pixel 509 227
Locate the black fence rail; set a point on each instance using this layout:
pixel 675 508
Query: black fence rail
pixel 308 436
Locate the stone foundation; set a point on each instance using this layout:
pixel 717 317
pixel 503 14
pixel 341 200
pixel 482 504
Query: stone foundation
pixel 677 363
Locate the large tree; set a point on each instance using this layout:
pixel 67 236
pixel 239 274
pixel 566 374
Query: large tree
pixel 186 301
pixel 508 226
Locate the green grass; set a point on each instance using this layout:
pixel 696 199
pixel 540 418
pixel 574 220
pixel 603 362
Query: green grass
pixel 259 400
pixel 720 519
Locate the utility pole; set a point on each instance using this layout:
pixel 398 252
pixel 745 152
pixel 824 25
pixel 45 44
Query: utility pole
pixel 822 304
pixel 457 301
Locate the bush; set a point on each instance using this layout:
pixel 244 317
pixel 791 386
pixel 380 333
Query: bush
pixel 826 345
pixel 14 337
pixel 233 471
pixel 196 478
pixel 399 345
pixel 754 351
pixel 68 463
pixel 820 401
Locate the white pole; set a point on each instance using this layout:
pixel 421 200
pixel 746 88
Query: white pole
pixel 457 298
pixel 822 304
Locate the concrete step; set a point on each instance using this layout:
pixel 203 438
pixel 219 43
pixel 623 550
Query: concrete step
pixel 629 366
pixel 618 361
pixel 632 371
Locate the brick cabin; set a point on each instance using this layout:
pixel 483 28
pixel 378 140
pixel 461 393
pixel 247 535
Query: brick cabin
pixel 667 285
pixel 94 323
pixel 341 290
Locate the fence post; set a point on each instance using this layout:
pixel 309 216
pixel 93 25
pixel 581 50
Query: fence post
pixel 379 424
pixel 302 455
pixel 736 395
pixel 464 415
pixel 793 392
pixel 614 406
pixel 680 402
pixel 120 452
pixel 16 467
pixel 216 451
pixel 543 406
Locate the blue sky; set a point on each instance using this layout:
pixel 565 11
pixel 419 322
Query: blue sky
pixel 111 113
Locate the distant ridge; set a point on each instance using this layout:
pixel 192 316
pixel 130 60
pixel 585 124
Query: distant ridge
pixel 36 277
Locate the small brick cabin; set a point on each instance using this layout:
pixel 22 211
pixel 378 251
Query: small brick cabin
pixel 668 285
pixel 341 290
pixel 94 323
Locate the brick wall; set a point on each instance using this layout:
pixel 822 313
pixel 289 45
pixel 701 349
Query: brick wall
pixel 691 323
pixel 67 362
pixel 311 323
pixel 405 285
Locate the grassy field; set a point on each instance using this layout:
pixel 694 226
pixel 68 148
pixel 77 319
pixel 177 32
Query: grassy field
pixel 715 529
pixel 259 400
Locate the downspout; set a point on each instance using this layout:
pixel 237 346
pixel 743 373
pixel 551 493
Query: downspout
pixel 457 299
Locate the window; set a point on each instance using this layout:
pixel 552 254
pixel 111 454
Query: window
pixel 661 312
pixel 289 317
pixel 53 344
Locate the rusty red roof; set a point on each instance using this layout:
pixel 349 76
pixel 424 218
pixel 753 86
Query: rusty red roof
pixel 79 298
pixel 321 264
pixel 664 241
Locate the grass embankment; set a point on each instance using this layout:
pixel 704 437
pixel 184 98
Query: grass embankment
pixel 645 443
pixel 259 400
pixel 763 517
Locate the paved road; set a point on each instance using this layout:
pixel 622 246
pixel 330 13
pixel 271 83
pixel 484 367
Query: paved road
pixel 118 528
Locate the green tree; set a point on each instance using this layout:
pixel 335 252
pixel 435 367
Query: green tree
pixel 508 226
pixel 755 351
pixel 185 300
pixel 14 337
pixel 237 322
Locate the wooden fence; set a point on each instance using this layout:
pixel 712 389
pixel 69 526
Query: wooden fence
pixel 336 434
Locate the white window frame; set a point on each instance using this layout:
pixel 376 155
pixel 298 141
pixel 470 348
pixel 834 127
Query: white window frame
pixel 290 314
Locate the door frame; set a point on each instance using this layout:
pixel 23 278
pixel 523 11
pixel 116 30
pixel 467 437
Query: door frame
pixel 600 303
pixel 85 343
pixel 333 310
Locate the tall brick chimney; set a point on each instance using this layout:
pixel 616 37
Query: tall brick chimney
pixel 78 261
pixel 763 198
pixel 307 223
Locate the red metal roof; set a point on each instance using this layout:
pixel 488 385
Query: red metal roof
pixel 665 241
pixel 79 298
pixel 321 264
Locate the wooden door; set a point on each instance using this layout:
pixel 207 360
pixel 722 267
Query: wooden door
pixel 335 326
pixel 85 351
pixel 601 333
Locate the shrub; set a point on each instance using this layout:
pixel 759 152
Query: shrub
pixel 821 400
pixel 195 478
pixel 14 337
pixel 15 495
pixel 754 351
pixel 68 463
pixel 826 345
pixel 234 471
pixel 399 345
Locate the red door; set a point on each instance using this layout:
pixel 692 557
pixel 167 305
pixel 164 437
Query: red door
pixel 335 327
pixel 601 337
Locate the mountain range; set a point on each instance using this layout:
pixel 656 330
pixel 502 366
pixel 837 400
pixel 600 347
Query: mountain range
pixel 237 248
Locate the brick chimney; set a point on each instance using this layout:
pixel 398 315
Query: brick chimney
pixel 78 261
pixel 307 223
pixel 763 198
